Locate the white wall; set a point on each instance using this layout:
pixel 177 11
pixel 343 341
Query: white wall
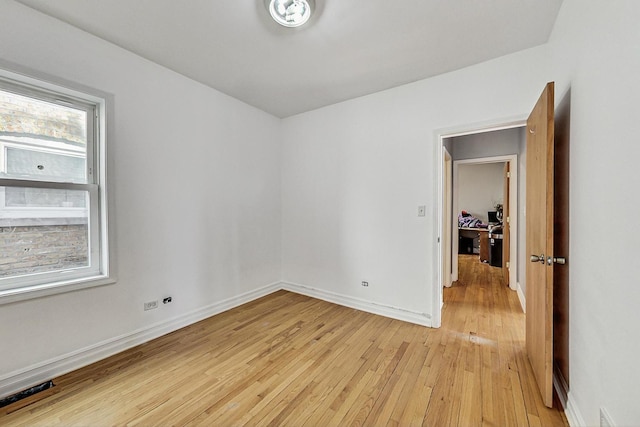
pixel 596 56
pixel 488 144
pixel 480 188
pixel 354 174
pixel 196 179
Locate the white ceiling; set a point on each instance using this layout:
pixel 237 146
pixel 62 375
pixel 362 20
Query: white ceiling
pixel 348 49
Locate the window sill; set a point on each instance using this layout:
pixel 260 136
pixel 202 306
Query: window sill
pixel 38 291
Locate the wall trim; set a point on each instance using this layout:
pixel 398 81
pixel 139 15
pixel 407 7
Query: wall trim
pixel 571 411
pixel 22 379
pixel 561 387
pixel 397 313
pixel 521 297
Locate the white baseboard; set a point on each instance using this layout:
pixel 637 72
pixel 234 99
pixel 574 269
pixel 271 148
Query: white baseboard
pixel 574 417
pixel 521 297
pixel 561 387
pixel 571 411
pixel 360 304
pixel 17 381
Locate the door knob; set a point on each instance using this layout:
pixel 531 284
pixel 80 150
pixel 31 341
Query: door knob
pixel 536 258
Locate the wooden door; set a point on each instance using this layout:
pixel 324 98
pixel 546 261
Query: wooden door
pixel 506 227
pixel 539 225
pixel 561 241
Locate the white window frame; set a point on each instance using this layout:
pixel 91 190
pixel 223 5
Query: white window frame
pixel 97 273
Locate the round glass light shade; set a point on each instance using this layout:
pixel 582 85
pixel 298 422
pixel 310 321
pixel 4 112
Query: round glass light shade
pixel 290 13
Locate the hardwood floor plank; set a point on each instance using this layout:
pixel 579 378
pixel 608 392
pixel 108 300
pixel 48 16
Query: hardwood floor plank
pixel 290 360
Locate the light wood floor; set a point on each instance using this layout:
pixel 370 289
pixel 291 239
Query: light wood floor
pixel 288 359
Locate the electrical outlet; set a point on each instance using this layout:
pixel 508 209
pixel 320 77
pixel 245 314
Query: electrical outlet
pixel 150 305
pixel 166 300
pixel 605 419
pixel 365 283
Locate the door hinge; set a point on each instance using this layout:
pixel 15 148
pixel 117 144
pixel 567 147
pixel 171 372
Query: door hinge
pixel 508 264
pixel 508 174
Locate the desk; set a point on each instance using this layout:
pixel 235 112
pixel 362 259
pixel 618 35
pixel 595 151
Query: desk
pixel 483 235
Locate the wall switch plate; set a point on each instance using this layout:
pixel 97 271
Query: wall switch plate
pixel 422 210
pixel 150 305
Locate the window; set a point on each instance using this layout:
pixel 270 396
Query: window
pixel 53 222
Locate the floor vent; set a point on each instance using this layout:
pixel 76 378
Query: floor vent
pixel 25 393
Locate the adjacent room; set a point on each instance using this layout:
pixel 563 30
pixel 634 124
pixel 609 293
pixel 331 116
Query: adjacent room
pixel 319 213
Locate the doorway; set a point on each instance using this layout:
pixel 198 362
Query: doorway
pixel 546 232
pixel 479 190
pixel 483 144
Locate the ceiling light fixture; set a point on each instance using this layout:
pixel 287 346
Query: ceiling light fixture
pixel 290 13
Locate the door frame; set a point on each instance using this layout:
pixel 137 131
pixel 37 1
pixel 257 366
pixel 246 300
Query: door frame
pixel 438 225
pixel 512 159
pixel 447 181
